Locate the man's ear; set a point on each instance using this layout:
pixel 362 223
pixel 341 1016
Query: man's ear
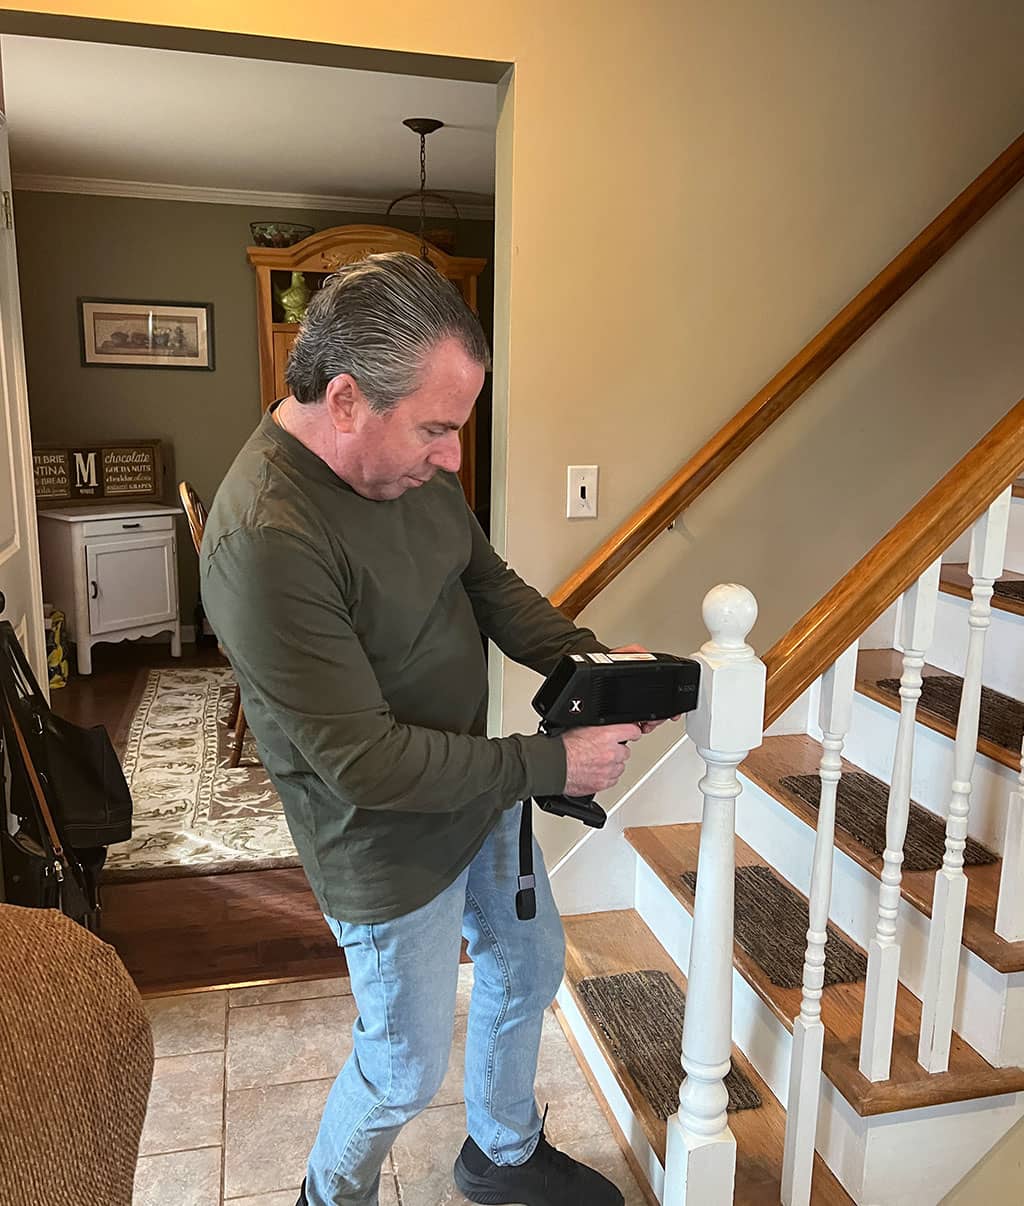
pixel 343 397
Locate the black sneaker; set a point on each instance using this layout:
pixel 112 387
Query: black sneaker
pixel 548 1178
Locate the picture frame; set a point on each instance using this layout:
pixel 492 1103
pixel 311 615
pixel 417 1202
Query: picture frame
pixel 118 333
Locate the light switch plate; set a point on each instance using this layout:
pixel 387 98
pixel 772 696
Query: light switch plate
pixel 581 492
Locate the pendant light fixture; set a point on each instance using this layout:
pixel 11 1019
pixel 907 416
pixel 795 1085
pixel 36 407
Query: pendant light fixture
pixel 423 126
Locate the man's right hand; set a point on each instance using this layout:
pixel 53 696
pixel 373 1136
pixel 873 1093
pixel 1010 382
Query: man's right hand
pixel 596 757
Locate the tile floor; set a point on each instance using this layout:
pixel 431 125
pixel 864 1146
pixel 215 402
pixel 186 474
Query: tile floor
pixel 242 1075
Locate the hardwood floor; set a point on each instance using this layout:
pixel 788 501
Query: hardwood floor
pixel 205 931
pixel 196 931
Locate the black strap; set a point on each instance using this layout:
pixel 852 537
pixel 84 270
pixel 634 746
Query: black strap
pixel 526 896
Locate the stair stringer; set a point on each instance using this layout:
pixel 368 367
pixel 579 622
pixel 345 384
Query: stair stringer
pixel 989 1011
pixel 869 1155
pixel 596 875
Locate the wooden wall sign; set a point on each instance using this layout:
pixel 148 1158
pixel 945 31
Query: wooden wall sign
pixel 130 471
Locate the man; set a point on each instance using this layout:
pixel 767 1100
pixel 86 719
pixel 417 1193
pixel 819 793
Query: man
pixel 349 583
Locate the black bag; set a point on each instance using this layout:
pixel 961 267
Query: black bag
pixel 67 791
pixel 79 765
pixel 82 768
pixel 29 879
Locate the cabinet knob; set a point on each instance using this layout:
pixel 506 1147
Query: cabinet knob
pixel 94 590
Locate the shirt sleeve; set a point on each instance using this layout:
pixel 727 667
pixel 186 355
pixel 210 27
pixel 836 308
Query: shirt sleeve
pixel 517 618
pixel 280 614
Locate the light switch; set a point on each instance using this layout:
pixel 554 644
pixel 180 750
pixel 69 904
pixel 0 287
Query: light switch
pixel 581 492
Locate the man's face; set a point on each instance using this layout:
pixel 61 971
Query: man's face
pixel 385 455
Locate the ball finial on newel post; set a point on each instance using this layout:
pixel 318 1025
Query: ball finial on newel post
pixel 729 612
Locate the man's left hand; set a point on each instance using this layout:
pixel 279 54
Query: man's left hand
pixel 646 726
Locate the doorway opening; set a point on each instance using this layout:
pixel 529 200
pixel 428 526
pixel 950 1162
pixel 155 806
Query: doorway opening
pixel 142 170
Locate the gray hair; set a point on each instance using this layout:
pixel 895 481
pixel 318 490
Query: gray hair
pixel 377 319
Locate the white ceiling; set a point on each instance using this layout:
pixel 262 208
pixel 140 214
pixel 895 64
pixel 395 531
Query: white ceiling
pixel 124 113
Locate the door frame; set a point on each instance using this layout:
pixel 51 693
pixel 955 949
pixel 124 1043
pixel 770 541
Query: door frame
pixel 31 628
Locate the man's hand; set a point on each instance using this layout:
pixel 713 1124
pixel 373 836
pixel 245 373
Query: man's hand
pixel 646 726
pixel 596 757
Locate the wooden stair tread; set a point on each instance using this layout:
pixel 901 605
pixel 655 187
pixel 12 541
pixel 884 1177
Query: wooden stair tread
pixel 876 664
pixel 605 944
pixel 671 850
pixel 798 754
pixel 955 580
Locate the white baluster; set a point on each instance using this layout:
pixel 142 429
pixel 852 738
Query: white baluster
pixel 916 628
pixel 1010 906
pixel 949 902
pixel 835 715
pixel 700 1163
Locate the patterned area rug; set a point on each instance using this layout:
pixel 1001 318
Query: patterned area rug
pixel 194 815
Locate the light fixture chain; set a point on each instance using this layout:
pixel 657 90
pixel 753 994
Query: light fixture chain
pixel 423 199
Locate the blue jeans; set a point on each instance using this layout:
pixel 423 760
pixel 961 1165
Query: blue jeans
pixel 404 977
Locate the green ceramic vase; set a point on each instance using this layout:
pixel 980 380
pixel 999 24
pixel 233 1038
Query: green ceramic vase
pixel 295 298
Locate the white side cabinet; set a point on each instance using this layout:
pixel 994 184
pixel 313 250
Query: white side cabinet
pixel 113 571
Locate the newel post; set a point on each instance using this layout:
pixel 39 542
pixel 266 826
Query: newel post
pixel 727 724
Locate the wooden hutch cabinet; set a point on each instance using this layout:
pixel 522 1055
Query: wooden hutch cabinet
pixel 317 257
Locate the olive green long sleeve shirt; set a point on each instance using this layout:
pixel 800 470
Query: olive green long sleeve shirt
pixel 354 628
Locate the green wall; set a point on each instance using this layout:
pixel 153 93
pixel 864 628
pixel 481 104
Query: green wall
pixel 71 246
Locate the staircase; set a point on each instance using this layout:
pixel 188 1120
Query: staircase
pixel 886 796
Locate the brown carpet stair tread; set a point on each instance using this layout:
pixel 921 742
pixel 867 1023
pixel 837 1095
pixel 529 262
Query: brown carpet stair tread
pixel 1000 714
pixel 641 1015
pixel 771 923
pixel 796 756
pixel 671 851
pixel 1009 589
pixel 1002 718
pixel 861 806
pixel 617 943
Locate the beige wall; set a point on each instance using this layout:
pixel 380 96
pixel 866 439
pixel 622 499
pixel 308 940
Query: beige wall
pixel 687 191
pixel 997 1179
pixel 71 246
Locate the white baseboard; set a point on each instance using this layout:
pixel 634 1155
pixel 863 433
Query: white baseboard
pixel 596 875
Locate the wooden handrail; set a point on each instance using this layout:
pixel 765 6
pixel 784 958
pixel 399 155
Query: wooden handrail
pixel 894 564
pixel 676 494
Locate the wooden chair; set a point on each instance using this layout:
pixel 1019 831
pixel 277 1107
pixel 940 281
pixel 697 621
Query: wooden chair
pixel 196 514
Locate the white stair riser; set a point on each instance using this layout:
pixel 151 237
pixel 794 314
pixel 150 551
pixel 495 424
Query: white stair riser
pixel 1004 644
pixel 860 1151
pixel 870 746
pixel 987 1016
pixel 958 553
pixel 629 1123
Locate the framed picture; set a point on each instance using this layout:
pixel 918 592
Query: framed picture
pixel 136 334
